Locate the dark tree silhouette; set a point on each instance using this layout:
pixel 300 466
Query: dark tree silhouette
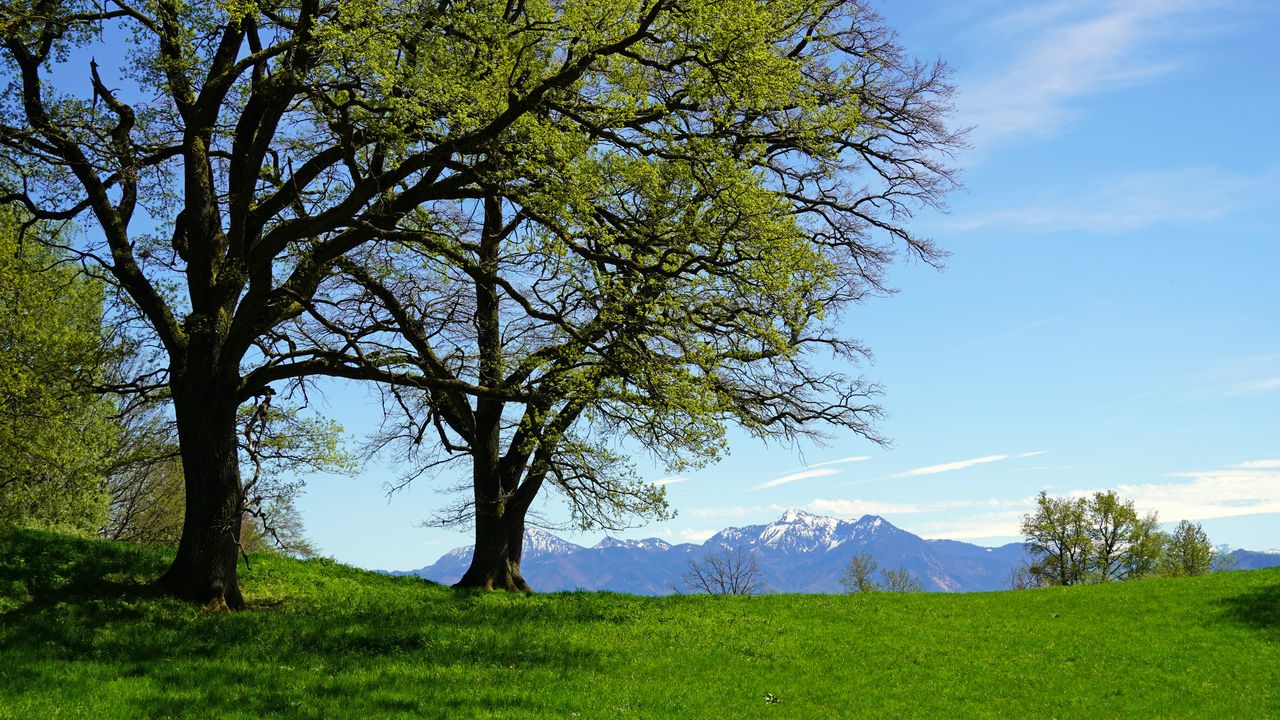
pixel 727 573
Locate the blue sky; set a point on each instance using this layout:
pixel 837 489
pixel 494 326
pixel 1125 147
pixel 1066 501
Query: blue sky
pixel 1108 318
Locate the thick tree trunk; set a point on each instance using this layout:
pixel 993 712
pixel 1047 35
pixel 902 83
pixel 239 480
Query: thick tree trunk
pixel 204 569
pixel 495 563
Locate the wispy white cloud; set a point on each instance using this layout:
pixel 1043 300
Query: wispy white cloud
pixel 1254 386
pixel 841 461
pixel 951 466
pixel 1043 468
pixel 672 480
pixel 802 475
pixel 726 511
pixel 1134 201
pixel 1250 375
pixel 821 469
pixel 855 507
pixel 1249 488
pixel 1259 465
pixel 963 464
pixel 1224 380
pixel 1065 52
pixel 1006 524
pixel 696 536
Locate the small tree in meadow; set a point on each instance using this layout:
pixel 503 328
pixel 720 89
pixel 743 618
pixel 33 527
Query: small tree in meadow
pixel 859 576
pixel 726 573
pixel 899 580
pixel 1188 551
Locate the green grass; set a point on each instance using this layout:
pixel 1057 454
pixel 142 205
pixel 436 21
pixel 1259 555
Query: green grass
pixel 78 639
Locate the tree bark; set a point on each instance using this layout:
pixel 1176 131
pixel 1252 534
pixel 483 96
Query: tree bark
pixel 205 567
pixel 495 563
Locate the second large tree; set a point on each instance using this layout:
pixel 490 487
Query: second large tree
pixel 663 247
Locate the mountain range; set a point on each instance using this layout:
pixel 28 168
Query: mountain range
pixel 798 552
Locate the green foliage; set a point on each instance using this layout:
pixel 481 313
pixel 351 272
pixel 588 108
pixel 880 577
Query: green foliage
pixel 1058 539
pixel 1223 560
pixel 279 445
pixel 286 439
pixel 657 250
pixel 322 640
pixel 56 436
pixel 1187 551
pixel 1022 578
pixel 1100 538
pixel 677 198
pixel 147 503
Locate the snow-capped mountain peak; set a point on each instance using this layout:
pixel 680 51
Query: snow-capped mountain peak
pixel 799 531
pixel 645 544
pixel 793 516
pixel 541 542
pixel 871 522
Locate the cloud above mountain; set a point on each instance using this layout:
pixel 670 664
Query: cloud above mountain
pixel 964 464
pixel 822 469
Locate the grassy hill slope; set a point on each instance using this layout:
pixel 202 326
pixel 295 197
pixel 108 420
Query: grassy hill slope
pixel 77 639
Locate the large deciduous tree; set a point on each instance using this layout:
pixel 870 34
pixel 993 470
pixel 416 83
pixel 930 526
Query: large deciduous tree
pixel 662 248
pixel 245 147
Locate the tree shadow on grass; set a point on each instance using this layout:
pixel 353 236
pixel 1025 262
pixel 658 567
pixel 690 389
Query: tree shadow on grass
pixel 41 564
pixel 1258 608
pixel 75 619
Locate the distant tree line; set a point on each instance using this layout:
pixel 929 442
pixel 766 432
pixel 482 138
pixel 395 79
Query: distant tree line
pixel 1102 538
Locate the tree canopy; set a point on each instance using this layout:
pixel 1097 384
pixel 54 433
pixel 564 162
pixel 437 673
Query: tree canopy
pixel 1187 551
pixel 859 577
pixel 661 248
pixel 239 151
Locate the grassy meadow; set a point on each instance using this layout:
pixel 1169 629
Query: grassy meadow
pixel 79 639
